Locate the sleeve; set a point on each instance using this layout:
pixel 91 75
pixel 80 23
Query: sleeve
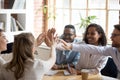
pixel 51 61
pixel 1 74
pixel 91 49
pixel 102 63
pixel 2 61
pixel 60 46
pixel 77 57
pixel 93 71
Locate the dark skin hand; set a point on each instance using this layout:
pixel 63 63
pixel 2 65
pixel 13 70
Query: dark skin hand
pixel 74 71
pixel 57 67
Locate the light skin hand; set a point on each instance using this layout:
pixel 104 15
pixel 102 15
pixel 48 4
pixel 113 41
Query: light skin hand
pixel 66 45
pixel 53 30
pixel 50 33
pixel 55 67
pixel 50 37
pixel 47 41
pixel 40 39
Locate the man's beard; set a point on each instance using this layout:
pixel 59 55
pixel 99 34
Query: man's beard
pixel 116 45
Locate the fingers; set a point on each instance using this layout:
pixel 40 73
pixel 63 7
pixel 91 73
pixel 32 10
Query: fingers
pixel 62 41
pixel 47 41
pixel 53 30
pixel 72 71
pixel 50 39
pixel 40 39
pixel 47 37
pixel 51 33
pixel 66 45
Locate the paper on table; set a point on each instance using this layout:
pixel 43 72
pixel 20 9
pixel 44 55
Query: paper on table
pixel 66 73
pixel 51 72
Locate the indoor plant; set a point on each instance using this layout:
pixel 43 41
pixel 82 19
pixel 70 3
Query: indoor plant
pixel 84 22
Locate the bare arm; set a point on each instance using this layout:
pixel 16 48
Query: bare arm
pixel 52 41
pixel 40 39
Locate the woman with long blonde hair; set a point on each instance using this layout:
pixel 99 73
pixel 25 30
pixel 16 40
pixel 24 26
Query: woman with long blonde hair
pixel 24 66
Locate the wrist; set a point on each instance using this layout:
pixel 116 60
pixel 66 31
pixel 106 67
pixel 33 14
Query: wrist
pixel 61 66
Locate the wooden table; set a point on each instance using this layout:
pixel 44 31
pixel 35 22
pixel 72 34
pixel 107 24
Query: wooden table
pixel 60 76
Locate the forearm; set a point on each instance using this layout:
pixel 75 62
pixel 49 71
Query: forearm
pixel 62 46
pixel 93 71
pixel 51 61
pixel 64 66
pixel 52 55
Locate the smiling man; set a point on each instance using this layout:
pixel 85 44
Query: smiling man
pixel 67 56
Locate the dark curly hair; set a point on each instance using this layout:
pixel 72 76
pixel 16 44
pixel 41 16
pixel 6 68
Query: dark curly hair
pixel 71 26
pixel 117 26
pixel 102 41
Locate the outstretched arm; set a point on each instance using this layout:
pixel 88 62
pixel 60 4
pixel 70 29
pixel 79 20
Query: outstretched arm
pixel 62 45
pixel 48 38
pixel 40 39
pixel 52 41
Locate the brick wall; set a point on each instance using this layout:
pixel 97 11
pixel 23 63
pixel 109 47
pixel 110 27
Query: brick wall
pixel 38 17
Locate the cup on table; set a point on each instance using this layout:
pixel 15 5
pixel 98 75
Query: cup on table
pixel 84 74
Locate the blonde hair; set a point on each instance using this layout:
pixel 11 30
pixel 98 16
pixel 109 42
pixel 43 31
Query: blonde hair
pixel 22 50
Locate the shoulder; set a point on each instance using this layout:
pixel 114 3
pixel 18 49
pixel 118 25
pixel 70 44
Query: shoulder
pixel 3 68
pixel 34 63
pixel 2 61
pixel 75 53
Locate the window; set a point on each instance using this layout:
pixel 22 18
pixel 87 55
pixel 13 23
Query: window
pixel 69 11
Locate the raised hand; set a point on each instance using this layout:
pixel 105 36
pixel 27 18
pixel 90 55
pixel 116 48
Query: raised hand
pixel 50 37
pixel 40 39
pixel 50 33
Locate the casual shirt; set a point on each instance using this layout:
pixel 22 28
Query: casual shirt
pixel 106 50
pixel 34 68
pixel 2 61
pixel 67 57
pixel 94 63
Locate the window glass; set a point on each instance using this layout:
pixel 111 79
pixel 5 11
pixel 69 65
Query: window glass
pixel 59 3
pixel 69 11
pixel 76 20
pixel 62 19
pixel 78 4
pixel 96 3
pixel 62 3
pixel 76 16
pixel 113 4
pixel 101 18
pixel 113 19
pixel 66 3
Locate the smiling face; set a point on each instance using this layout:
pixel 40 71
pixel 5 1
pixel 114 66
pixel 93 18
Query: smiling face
pixel 93 36
pixel 115 38
pixel 3 41
pixel 69 35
